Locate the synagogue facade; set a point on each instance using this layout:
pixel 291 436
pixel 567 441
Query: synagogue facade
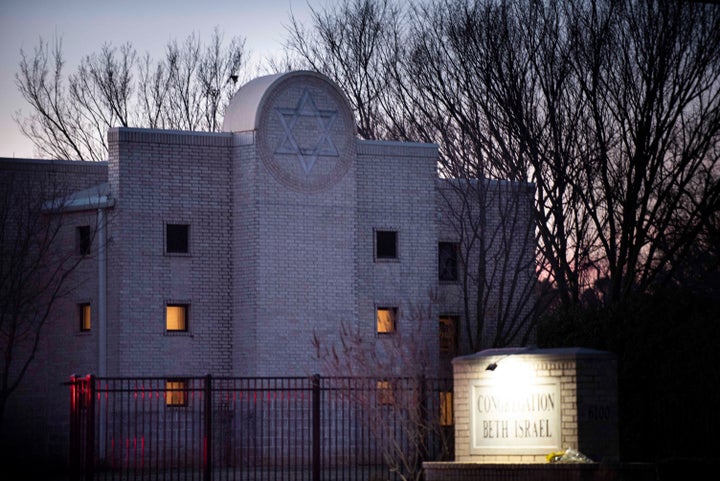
pixel 227 253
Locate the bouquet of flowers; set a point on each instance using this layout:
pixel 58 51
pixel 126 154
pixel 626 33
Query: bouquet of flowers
pixel 570 455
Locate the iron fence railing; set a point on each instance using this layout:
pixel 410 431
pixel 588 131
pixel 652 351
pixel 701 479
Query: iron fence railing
pixel 220 428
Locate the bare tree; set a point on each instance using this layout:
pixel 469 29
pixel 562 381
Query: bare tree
pixel 422 71
pixel 492 221
pixel 385 379
pixel 187 89
pixel 36 270
pixel 350 42
pixel 56 128
pixel 648 72
pixel 610 108
pixel 200 81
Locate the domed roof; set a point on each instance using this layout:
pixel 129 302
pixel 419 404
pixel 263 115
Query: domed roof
pixel 241 113
pixel 246 106
pixel 304 129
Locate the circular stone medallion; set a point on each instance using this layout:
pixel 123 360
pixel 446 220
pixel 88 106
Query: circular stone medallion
pixel 306 134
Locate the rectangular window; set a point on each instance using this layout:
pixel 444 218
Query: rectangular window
pixel 386 317
pixel 385 396
pixel 448 261
pixel 176 392
pixel 386 244
pixel 177 238
pixel 83 240
pixel 448 334
pixel 176 317
pixel 84 313
pixel 446 408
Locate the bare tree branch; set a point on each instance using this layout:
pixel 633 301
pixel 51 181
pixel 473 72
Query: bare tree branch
pixel 70 115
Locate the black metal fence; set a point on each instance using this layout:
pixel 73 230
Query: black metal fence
pixel 217 428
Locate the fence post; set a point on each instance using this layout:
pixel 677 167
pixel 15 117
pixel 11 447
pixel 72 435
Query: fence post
pixel 316 427
pixel 75 451
pixel 90 428
pixel 424 419
pixel 207 440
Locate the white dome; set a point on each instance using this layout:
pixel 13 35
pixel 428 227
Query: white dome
pixel 303 128
pixel 246 106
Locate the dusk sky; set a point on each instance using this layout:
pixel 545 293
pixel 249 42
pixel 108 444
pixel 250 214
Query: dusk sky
pixel 85 25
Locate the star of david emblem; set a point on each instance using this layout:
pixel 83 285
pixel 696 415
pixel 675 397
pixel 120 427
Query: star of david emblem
pixel 321 122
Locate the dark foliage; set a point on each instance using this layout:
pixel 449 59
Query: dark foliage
pixel 667 348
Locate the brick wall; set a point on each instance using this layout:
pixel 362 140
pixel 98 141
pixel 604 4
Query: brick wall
pixel 279 250
pixel 160 177
pixel 304 240
pixel 295 268
pixel 396 192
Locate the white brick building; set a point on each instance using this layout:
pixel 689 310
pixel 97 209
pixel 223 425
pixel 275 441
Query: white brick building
pixel 281 227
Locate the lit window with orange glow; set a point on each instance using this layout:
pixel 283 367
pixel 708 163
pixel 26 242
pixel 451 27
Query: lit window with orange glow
pixel 84 313
pixel 176 317
pixel 175 392
pixel 385 396
pixel 446 408
pixel 386 317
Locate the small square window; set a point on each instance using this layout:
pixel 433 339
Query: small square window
pixel 84 315
pixel 176 392
pixel 176 317
pixel 448 261
pixel 385 395
pixel 177 238
pixel 83 240
pixel 386 317
pixel 448 334
pixel 386 244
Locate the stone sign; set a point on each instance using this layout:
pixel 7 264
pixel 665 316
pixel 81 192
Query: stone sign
pixel 517 405
pixel 521 419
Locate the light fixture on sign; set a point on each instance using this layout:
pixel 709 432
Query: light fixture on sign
pixel 524 350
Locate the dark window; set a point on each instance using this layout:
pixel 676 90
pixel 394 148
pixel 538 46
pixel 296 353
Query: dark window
pixel 84 315
pixel 84 241
pixel 385 244
pixel 448 334
pixel 448 261
pixel 177 238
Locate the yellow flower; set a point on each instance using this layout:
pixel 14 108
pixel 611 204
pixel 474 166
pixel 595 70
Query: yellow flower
pixel 555 456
